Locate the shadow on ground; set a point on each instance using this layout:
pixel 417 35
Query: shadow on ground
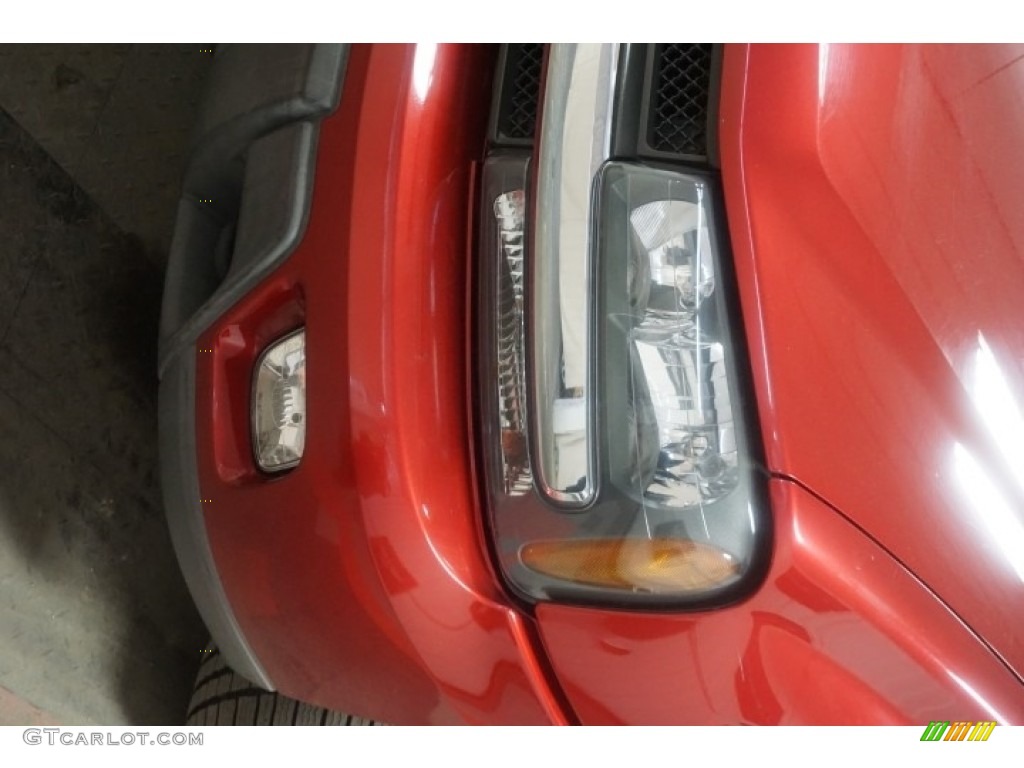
pixel 96 625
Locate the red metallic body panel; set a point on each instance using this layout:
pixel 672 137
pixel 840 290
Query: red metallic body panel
pixel 359 578
pixel 839 634
pixel 877 220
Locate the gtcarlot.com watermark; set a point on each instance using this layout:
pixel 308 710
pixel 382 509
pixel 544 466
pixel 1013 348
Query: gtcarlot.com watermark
pixel 73 737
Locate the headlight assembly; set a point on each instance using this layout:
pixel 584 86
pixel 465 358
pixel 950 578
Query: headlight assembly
pixel 620 366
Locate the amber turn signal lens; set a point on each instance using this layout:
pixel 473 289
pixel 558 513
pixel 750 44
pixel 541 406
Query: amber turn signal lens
pixel 660 565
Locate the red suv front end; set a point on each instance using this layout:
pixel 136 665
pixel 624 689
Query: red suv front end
pixel 540 481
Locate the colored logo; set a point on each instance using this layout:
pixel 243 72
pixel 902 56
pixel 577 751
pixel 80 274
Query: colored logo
pixel 938 730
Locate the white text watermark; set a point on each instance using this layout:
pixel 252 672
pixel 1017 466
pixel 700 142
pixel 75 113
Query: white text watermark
pixel 80 738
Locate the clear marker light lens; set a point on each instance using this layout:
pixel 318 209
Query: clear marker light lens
pixel 279 404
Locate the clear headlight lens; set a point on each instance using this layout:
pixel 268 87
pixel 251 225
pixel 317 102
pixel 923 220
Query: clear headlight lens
pixel 678 390
pixel 279 404
pixel 676 515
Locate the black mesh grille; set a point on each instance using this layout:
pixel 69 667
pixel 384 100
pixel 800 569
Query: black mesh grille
pixel 520 90
pixel 679 99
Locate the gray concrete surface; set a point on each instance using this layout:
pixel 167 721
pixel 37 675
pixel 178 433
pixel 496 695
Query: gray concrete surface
pixel 96 626
pixel 115 117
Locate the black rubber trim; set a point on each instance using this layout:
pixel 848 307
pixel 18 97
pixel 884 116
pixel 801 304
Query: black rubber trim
pixel 261 110
pixel 714 105
pixel 629 100
pixel 194 293
pixel 254 89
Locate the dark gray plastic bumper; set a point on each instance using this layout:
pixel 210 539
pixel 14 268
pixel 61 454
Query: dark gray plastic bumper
pixel 253 156
pixel 180 483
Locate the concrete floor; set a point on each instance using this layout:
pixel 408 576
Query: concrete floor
pixel 96 626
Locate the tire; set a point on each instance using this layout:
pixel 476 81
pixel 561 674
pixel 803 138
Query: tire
pixel 222 697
